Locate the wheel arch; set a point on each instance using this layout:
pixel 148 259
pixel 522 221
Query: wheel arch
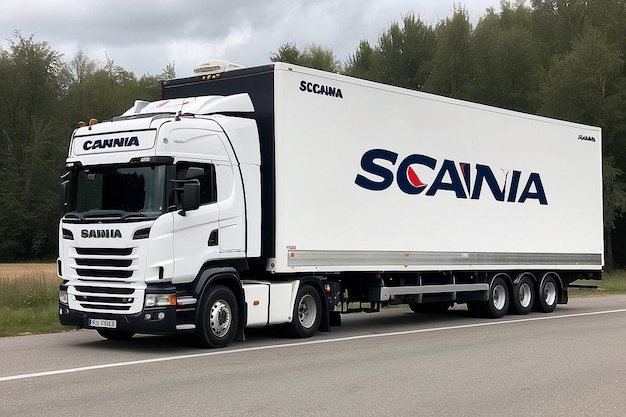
pixel 562 296
pixel 228 277
pixel 317 284
pixel 519 275
pixel 504 275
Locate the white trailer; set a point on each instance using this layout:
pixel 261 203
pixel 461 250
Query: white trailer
pixel 281 195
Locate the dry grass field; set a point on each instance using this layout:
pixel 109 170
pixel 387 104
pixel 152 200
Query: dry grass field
pixel 25 271
pixel 28 299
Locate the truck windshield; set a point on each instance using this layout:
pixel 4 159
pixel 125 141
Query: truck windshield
pixel 117 191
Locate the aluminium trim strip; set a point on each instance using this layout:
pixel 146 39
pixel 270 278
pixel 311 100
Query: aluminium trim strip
pixel 313 258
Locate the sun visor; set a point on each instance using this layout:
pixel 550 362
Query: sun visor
pixel 237 103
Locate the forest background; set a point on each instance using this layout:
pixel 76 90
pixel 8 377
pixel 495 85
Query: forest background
pixel 556 58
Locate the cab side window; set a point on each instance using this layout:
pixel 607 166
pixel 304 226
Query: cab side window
pixel 205 173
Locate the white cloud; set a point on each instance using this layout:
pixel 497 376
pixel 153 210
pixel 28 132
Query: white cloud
pixel 144 37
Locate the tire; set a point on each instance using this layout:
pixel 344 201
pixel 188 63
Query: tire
pixel 523 297
pixel 218 318
pixel 547 294
pixel 499 296
pixel 111 334
pixel 307 313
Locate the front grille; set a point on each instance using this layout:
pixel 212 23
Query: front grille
pixel 110 298
pixel 105 264
pixel 105 290
pixel 117 263
pixel 107 280
pixel 105 251
pixel 93 299
pixel 104 273
pixel 108 307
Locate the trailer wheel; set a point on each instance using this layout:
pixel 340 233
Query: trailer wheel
pixel 306 313
pixel 498 303
pixel 547 296
pixel 111 334
pixel 217 318
pixel 523 295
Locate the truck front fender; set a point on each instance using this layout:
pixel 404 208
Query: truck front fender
pixel 228 277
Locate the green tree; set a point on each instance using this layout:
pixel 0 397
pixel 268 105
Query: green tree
pixel 169 72
pixel 102 92
pixel 403 56
pixel 587 86
pixel 361 63
pixel 507 71
pixel 556 24
pixel 452 63
pixel 614 204
pixel 30 162
pixel 41 100
pixel 312 56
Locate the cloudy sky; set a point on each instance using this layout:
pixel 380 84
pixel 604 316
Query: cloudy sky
pixel 144 36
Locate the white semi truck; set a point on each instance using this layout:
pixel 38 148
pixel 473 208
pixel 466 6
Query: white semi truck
pixel 283 196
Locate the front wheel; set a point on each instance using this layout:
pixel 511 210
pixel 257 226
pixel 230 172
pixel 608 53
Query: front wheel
pixel 218 318
pixel 306 313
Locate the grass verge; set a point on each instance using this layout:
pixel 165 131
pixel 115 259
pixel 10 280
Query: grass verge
pixel 613 282
pixel 28 300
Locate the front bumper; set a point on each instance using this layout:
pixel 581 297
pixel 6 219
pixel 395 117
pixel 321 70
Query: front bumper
pixel 147 321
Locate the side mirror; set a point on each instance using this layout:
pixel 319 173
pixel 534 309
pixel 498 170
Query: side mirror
pixel 190 197
pixel 194 172
pixel 64 191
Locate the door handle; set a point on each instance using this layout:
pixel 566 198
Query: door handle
pixel 213 238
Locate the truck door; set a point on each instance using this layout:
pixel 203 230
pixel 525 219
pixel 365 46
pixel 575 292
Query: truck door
pixel 196 232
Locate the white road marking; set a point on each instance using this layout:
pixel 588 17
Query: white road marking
pixel 295 344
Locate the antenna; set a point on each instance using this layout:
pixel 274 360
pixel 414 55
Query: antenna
pixel 180 112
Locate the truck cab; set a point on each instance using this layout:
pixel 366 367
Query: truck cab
pixel 150 199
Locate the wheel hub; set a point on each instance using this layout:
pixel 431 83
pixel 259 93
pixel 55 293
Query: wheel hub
pixel 306 311
pixel 220 318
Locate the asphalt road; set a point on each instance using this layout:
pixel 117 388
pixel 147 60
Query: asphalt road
pixel 395 363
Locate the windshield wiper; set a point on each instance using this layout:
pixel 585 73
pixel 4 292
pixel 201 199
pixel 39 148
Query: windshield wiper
pixel 74 215
pixel 132 214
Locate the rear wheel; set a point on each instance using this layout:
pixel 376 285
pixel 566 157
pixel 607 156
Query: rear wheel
pixel 498 303
pixel 111 334
pixel 306 313
pixel 547 296
pixel 218 318
pixel 523 296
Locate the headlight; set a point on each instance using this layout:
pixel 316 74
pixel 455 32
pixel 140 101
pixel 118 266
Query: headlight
pixel 160 300
pixel 63 296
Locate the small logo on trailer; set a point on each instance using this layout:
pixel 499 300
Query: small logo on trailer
pixel 586 138
pixel 315 88
pixel 458 178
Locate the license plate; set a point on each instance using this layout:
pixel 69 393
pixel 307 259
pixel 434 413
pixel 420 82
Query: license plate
pixel 107 324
